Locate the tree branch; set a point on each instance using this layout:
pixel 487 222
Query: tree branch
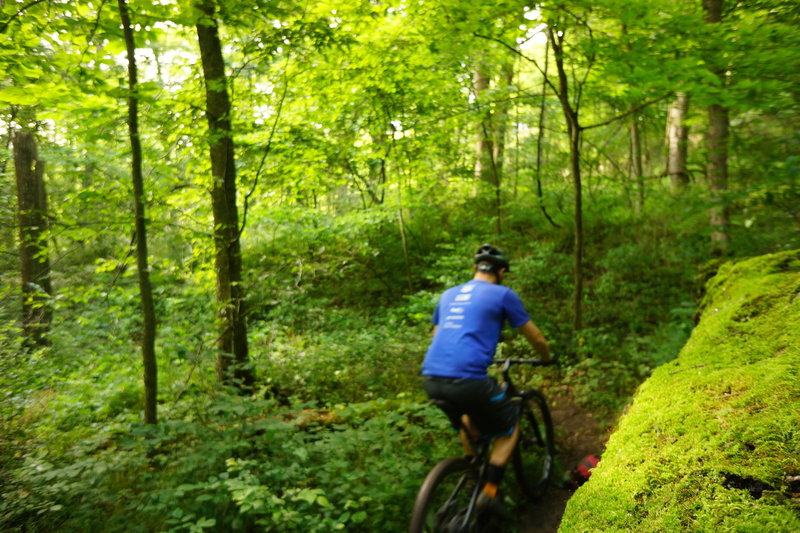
pixel 520 54
pixel 93 32
pixel 5 24
pixel 627 113
pixel 266 149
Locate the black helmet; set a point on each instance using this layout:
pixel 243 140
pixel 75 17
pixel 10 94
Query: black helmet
pixel 494 256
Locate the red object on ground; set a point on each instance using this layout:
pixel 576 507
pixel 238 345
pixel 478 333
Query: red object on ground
pixel 584 469
pixel 581 473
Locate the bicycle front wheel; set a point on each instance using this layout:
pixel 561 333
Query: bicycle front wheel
pixel 533 456
pixel 443 501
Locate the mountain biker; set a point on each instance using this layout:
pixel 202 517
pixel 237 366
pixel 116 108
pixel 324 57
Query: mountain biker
pixel 466 330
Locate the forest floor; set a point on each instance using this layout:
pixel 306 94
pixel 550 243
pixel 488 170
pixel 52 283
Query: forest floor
pixel 578 434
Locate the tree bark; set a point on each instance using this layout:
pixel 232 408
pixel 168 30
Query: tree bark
pixel 484 147
pixel 486 164
pixel 717 145
pixel 575 131
pixel 540 139
pixel 145 288
pixel 677 143
pixel 232 359
pixel 37 312
pixel 717 172
pixel 500 121
pixel 577 262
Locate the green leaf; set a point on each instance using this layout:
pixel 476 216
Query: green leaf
pixel 18 96
pixel 206 522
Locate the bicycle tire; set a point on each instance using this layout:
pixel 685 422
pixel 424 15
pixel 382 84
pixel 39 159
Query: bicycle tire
pixel 444 497
pixel 533 455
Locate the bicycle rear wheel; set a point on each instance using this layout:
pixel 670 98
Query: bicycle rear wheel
pixel 443 500
pixel 533 455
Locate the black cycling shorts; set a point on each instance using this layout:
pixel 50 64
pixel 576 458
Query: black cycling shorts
pixel 483 400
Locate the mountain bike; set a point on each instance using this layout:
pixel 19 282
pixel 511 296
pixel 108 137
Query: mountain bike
pixel 447 499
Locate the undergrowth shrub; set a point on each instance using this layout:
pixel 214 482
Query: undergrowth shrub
pixel 234 464
pixel 303 255
pixel 357 361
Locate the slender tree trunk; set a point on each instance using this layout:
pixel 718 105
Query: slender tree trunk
pixel 575 132
pixel 717 172
pixel 486 164
pixel 677 142
pixel 484 149
pixel 377 177
pixel 717 144
pixel 636 163
pixel 37 312
pixel 575 169
pixel 232 360
pixel 145 288
pixel 501 119
pixel 401 224
pixel 540 139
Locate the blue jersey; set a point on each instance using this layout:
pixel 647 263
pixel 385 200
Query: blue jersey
pixel 470 318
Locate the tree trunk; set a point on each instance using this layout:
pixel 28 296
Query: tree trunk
pixel 145 289
pixel 500 123
pixel 232 360
pixel 484 149
pixel 575 169
pixel 575 131
pixel 717 172
pixel 486 165
pixel 636 160
pixel 37 312
pixel 677 142
pixel 540 139
pixel 377 176
pixel 717 144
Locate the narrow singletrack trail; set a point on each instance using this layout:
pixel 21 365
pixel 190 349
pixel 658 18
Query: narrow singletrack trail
pixel 578 434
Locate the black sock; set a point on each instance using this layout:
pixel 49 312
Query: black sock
pixel 494 474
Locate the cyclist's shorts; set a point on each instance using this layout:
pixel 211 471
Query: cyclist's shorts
pixel 483 400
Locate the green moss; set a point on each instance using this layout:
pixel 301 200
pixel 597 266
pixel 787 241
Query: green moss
pixel 712 438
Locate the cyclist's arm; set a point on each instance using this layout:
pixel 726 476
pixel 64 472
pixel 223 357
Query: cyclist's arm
pixel 536 339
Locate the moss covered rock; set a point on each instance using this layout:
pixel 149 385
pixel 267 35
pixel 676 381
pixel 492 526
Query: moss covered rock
pixel 711 441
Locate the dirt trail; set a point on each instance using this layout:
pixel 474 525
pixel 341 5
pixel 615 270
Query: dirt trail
pixel 578 434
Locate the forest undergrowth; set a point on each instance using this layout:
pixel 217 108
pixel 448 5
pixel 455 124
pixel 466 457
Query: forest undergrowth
pixel 337 434
pixel 262 200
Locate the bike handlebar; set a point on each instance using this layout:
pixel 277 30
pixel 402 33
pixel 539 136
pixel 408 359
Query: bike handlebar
pixel 508 361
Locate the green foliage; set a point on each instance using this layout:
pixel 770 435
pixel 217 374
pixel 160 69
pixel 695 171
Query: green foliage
pixel 353 363
pixel 711 440
pixel 354 125
pixel 237 464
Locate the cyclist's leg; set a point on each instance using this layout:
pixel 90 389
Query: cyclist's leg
pixel 496 417
pixel 466 440
pixel 457 395
pixel 503 447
